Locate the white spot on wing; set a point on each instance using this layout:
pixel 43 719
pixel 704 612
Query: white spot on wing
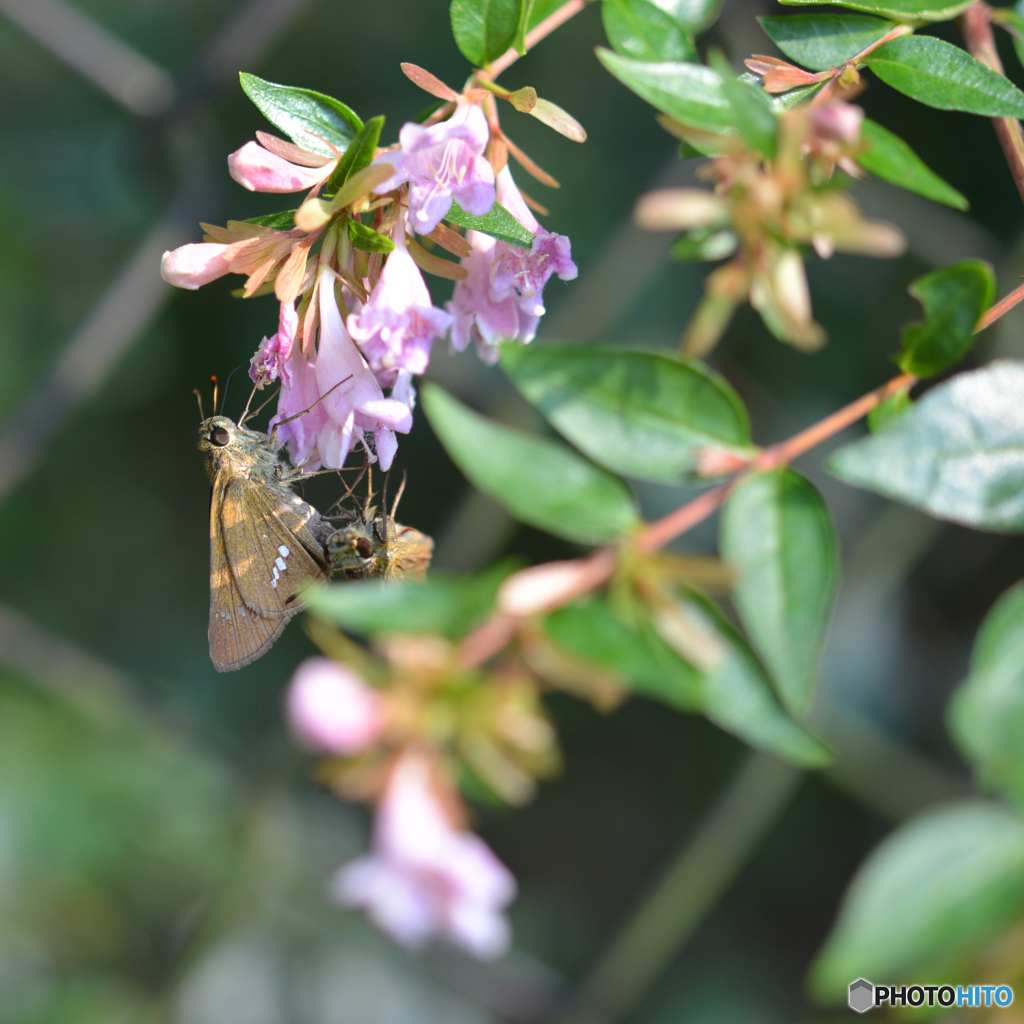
pixel 283 551
pixel 281 564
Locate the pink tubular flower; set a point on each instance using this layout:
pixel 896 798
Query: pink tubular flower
pixel 517 271
pixel 502 298
pixel 398 323
pixel 273 357
pixel 299 394
pixel 443 163
pixel 191 266
pixel 476 315
pixel 352 397
pixel 423 877
pixel 260 170
pixel 331 709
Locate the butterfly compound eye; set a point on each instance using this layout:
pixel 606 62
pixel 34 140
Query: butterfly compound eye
pixel 219 436
pixel 364 548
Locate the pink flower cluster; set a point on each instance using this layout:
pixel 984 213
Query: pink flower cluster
pixel 424 877
pixel 338 384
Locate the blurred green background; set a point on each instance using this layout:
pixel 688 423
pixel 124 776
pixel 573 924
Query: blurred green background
pixel 163 856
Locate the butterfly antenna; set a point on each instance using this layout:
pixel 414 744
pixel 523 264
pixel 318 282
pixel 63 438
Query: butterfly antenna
pixel 227 384
pixel 199 399
pixel 245 411
pixel 216 392
pixel 267 402
pixel 398 496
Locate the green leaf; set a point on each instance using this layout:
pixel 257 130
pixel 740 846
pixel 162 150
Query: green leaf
pixel 946 880
pixel 522 28
pixel 824 41
pixel 637 28
pixel 641 658
pixel 540 481
pixel 540 10
pixel 888 410
pixel 498 223
pixel 740 700
pixel 691 93
pixel 310 119
pixel 367 239
pixel 704 244
pixel 283 221
pixel 778 537
pixel 898 10
pixel 360 154
pixel 485 29
pixel 891 159
pixel 438 604
pixel 954 299
pixel 696 15
pixel 986 714
pixel 752 107
pixel 943 76
pixel 1012 19
pixel 957 454
pixel 648 416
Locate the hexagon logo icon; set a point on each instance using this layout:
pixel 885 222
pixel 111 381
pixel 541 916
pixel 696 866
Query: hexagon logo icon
pixel 862 995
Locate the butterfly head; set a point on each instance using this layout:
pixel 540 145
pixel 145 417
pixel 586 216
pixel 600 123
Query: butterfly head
pixel 217 433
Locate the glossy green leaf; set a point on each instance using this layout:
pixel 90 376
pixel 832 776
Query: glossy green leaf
pixel 310 119
pixel 367 239
pixel 696 15
pixel 639 657
pixel 957 454
pixel 704 244
pixel 752 107
pixel 540 10
pixel 637 28
pixel 498 223
pixel 283 221
pixel 947 880
pixel 898 10
pixel 484 29
pixel 778 537
pixel 954 299
pixel 986 714
pixel 438 604
pixel 525 18
pixel 360 153
pixel 891 159
pixel 645 415
pixel 943 76
pixel 824 41
pixel 540 481
pixel 691 93
pixel 740 699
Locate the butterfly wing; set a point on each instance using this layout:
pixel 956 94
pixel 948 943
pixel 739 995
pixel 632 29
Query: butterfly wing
pixel 271 551
pixel 237 635
pixel 411 554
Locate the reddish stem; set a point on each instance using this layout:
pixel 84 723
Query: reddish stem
pixel 1004 305
pixel 535 35
pixel 976 25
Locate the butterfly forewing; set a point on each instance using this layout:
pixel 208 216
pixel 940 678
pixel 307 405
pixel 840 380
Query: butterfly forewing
pixel 267 540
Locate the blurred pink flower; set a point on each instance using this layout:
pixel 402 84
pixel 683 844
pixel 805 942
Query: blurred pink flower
pixel 191 266
pixel 260 170
pixel 424 878
pixel 353 399
pixel 273 357
pixel 398 323
pixel 331 709
pixel 837 122
pixel 442 163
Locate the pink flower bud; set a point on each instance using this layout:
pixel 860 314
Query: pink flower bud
pixel 331 709
pixel 837 122
pixel 192 266
pixel 259 170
